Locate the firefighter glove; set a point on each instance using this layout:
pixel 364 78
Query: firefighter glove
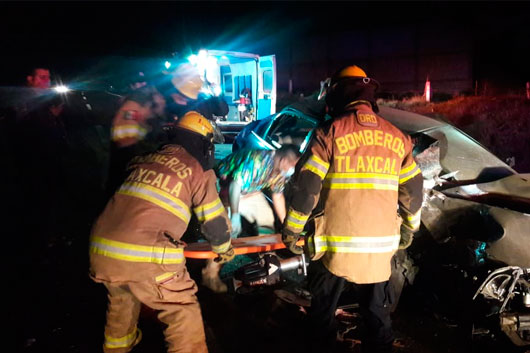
pixel 406 238
pixel 235 219
pixel 289 239
pixel 226 256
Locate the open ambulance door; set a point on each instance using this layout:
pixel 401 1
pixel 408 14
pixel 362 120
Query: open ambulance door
pixel 266 86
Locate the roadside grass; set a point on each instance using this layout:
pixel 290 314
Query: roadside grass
pixel 500 123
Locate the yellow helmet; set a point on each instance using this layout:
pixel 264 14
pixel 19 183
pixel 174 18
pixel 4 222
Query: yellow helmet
pixel 347 87
pixel 349 71
pixel 187 80
pixel 197 123
pixel 352 72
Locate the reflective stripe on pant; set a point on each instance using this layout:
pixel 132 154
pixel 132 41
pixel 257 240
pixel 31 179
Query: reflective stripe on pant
pixel 122 316
pixel 178 306
pixel 374 300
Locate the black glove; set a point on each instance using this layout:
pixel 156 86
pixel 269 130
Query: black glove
pixel 406 238
pixel 289 239
pixel 226 256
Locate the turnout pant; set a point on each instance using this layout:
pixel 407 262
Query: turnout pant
pixel 178 309
pixel 374 301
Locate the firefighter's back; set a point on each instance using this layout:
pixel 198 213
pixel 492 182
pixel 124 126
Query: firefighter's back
pixel 146 217
pixel 360 196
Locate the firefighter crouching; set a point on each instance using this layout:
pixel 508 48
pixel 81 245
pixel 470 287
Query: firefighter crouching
pixel 361 168
pixel 135 247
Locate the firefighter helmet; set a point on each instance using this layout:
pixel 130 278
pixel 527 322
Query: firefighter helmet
pixel 349 71
pixel 187 80
pixel 349 86
pixel 195 122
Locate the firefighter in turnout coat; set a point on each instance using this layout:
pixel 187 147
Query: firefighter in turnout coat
pixel 135 247
pixel 361 171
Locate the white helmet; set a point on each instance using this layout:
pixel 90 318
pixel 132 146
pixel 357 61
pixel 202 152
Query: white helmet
pixel 187 80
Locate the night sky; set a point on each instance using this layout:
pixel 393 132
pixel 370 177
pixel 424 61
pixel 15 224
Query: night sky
pixel 71 37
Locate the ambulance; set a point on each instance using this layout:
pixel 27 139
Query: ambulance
pixel 247 82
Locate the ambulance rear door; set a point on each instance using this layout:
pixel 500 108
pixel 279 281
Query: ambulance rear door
pixel 266 86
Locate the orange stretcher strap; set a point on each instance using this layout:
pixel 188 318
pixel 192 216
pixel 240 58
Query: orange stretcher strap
pixel 248 245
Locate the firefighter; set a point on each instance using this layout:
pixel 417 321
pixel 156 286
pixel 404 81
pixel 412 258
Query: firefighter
pixel 137 128
pixel 135 246
pixel 360 167
pixel 244 175
pixel 182 89
pixel 146 119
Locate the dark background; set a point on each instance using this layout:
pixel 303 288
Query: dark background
pixel 76 39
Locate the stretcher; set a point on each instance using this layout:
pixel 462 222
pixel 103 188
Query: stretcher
pixel 247 245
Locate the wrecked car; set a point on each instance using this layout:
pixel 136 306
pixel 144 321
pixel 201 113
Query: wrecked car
pixel 471 258
pixel 475 230
pixel 292 125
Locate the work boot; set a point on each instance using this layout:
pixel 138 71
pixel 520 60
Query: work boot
pixel 211 279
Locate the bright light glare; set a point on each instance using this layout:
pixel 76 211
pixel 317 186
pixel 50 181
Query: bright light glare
pixel 276 144
pixel 193 59
pixel 212 70
pixel 203 54
pixel 61 89
pixel 217 90
pixel 167 64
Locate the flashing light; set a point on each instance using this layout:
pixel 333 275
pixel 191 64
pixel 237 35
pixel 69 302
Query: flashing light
pixel 207 65
pixel 167 64
pixel 203 54
pixel 211 70
pixel 61 89
pixel 193 59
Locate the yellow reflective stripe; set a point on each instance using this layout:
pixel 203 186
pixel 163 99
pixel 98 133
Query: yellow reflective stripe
pixel 135 253
pixel 295 226
pixel 125 131
pixel 158 197
pixel 360 186
pixel 319 161
pixel 164 277
pixel 348 244
pixel 296 220
pixel 413 221
pixel 407 169
pixel 410 176
pixel 408 173
pixel 219 249
pixel 317 166
pixel 377 181
pixel 362 176
pixel 121 342
pixel 209 211
pixel 298 215
pixel 315 170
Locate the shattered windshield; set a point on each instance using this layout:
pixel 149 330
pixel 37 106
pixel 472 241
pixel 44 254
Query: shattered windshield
pixel 290 129
pixel 446 152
